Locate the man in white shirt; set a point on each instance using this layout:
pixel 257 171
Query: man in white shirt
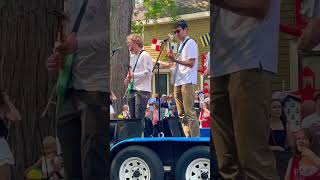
pixel 312 121
pixel 185 79
pixel 140 73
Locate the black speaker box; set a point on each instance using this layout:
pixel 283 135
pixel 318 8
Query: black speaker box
pixel 125 129
pixel 172 127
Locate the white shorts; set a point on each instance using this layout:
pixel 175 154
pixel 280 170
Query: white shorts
pixel 6 156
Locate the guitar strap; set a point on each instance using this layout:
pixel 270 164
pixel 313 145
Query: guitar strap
pixel 79 17
pixel 135 65
pixel 176 68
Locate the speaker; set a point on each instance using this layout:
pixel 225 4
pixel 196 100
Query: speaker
pixel 128 128
pixel 172 127
pixel 148 128
pixel 113 124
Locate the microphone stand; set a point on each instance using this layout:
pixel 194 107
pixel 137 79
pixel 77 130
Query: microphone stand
pixel 157 65
pixel 113 52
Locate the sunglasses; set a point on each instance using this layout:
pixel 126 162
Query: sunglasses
pixel 177 31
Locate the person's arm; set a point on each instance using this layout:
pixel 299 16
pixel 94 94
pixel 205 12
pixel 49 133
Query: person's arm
pixel 192 54
pixel 288 172
pixel 113 97
pixel 165 65
pixel 207 71
pixel 189 63
pixel 252 8
pixel 310 37
pixel 316 159
pixel 58 166
pixel 13 113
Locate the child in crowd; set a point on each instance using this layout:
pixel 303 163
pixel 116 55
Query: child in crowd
pixel 8 114
pixel 125 112
pixel 50 164
pixel 155 114
pixel 204 116
pixel 113 98
pixel 305 162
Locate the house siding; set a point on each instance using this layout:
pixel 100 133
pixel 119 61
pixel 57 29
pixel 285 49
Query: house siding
pixel 197 28
pixel 287 17
pixel 201 26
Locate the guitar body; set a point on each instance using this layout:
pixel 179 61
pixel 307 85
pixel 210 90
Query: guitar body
pixel 64 81
pixel 174 70
pixel 65 75
pixel 130 84
pixel 130 87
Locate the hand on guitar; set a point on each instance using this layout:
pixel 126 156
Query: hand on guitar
pixel 128 78
pixel 68 45
pixel 63 47
pixel 171 56
pixel 54 63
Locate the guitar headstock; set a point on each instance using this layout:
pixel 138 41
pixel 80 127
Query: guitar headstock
pixel 62 19
pixel 170 38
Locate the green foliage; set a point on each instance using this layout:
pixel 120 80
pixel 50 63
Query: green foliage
pixel 137 27
pixel 156 9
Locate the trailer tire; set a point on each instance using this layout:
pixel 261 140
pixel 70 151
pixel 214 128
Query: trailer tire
pixel 136 161
pixel 194 164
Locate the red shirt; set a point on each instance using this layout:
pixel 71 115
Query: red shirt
pixel 295 174
pixel 204 119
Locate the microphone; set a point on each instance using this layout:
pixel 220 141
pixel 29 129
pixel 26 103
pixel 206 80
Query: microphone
pixel 117 49
pixel 169 38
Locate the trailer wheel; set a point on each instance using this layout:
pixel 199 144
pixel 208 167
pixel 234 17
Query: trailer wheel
pixel 136 163
pixel 194 164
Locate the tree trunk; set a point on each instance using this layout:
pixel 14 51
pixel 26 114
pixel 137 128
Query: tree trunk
pixel 27 35
pixel 121 14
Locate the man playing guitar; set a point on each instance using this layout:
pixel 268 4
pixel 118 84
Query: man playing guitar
pixel 82 118
pixel 185 79
pixel 139 77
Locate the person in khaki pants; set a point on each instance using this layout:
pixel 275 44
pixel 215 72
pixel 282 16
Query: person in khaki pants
pixel 185 79
pixel 244 61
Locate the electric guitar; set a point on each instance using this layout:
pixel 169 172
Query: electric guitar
pixel 65 74
pixel 131 82
pixel 176 65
